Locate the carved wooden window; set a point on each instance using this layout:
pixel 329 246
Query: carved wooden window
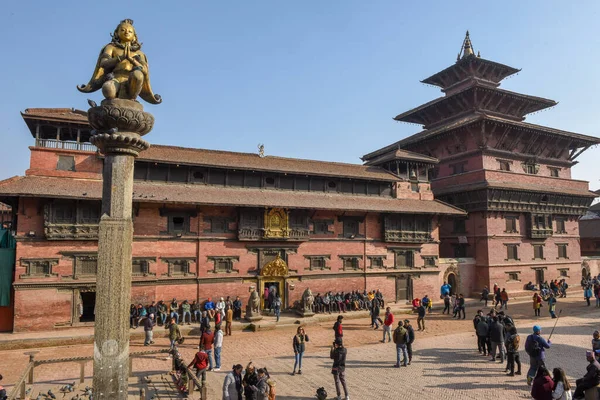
pixel 562 250
pixel 512 252
pixel 286 182
pixel 564 272
pixel 89 213
pixel 63 213
pixel 531 168
pixel 459 225
pixel 178 174
pixel 538 252
pixel 504 166
pixel 429 261
pixel 198 176
pixel 38 267
pixel 318 262
pixel 554 172
pixel 217 224
pixel 414 187
pixel 350 228
pixel 511 223
pixel 560 225
pixel 513 276
pixel 460 250
pixel 350 262
pixel 85 265
pixel 178 267
pixel 66 163
pixel 224 263
pixel 270 181
pixel 140 267
pixel 360 187
pixel 404 259
pixel 377 261
pixel 321 226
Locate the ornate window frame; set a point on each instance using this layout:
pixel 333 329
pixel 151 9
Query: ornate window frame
pixel 409 252
pixel 218 221
pixel 31 264
pixel 513 276
pixel 145 266
pixel 377 258
pixel 220 259
pixel 327 222
pixel 515 219
pixel 185 262
pixel 354 259
pixel 318 258
pixel 566 247
pixel 516 247
pixel 542 247
pixel 430 258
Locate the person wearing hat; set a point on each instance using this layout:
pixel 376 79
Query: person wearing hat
pixel 338 330
pixel 536 346
pixel 338 354
pixel 591 377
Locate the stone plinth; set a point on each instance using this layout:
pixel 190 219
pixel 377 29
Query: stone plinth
pixel 119 125
pixel 305 313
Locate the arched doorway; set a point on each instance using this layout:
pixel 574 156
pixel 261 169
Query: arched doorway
pixel 272 279
pixel 452 281
pixel 452 277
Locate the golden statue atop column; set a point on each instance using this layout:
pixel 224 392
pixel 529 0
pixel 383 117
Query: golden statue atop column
pixel 122 69
pixel 118 123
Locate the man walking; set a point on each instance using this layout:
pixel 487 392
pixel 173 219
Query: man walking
pixel 446 304
pixel 148 326
pixel 228 321
pixel 460 303
pixel 483 330
pixel 401 339
pixel 338 330
pixel 497 338
pixel 375 315
pixel 421 317
pixel 411 339
pixel 338 355
pixel 536 346
pixel 206 343
pixel 387 324
pixel 485 295
pixel 199 362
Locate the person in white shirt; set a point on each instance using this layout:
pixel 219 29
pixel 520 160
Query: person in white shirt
pixel 562 388
pixel 220 307
pixel 218 345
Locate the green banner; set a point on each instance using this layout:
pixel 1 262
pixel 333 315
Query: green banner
pixel 7 265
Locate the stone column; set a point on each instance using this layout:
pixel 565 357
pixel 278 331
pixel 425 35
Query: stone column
pixel 118 126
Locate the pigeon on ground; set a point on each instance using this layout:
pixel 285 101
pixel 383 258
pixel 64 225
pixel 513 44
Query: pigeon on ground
pixel 50 394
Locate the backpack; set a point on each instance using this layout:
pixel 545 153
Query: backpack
pixel 534 349
pixel 515 343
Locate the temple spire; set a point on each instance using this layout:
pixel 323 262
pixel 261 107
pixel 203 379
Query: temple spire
pixel 466 48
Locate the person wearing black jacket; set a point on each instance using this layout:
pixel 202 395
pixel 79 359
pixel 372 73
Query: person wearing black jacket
pixel 133 316
pixel 411 339
pixel 497 339
pixel 338 354
pixel 460 303
pixel 299 347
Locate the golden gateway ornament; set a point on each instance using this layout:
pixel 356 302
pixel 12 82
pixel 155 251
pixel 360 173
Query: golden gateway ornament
pixel 122 68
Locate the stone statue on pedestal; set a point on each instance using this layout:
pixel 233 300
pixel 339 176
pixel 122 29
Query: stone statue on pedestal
pixel 307 303
pixel 253 307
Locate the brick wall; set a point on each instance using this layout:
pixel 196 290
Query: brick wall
pixel 42 309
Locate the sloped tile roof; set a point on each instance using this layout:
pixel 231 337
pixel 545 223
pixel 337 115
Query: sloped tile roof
pixel 36 186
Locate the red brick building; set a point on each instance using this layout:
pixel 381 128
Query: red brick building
pixel 589 230
pixel 211 223
pixel 512 177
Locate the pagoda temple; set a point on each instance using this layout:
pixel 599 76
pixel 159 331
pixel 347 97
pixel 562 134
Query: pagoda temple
pixel 512 177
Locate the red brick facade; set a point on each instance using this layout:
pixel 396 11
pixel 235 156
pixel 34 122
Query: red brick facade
pixel 56 233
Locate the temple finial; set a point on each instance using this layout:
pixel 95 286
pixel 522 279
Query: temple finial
pixel 466 48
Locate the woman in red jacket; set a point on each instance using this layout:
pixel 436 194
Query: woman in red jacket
pixel 542 385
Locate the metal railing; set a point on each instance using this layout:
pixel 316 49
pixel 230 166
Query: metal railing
pixel 64 144
pixel 27 377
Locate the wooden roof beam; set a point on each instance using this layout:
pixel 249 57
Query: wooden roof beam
pixel 578 153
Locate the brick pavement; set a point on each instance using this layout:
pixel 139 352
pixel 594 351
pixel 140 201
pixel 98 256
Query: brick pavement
pixel 442 368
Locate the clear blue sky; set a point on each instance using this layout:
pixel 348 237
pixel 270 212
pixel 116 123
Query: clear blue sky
pixel 309 79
